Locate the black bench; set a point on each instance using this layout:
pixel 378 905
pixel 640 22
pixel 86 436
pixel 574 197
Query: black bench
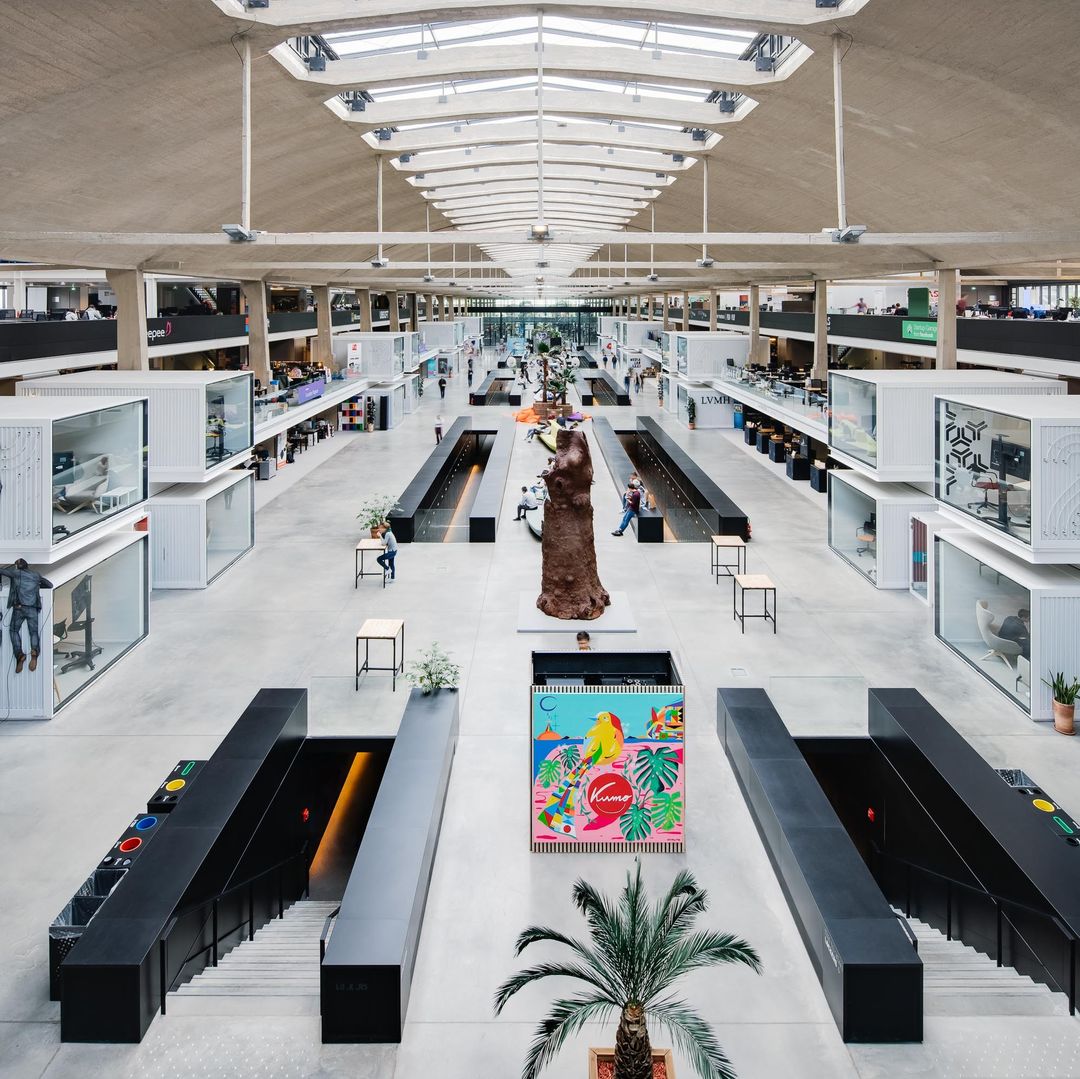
pixel 649 524
pixel 491 385
pixel 367 970
pixel 867 966
pixel 487 506
pixel 609 390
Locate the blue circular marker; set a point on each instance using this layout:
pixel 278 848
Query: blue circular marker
pixel 145 824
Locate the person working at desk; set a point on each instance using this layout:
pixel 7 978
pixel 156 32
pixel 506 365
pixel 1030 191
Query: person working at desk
pixel 24 600
pixel 1017 627
pixel 386 559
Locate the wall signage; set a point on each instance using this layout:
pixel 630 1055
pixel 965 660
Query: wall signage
pixel 607 768
pixel 917 330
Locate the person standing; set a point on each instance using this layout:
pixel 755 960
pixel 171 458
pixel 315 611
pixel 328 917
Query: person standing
pixel 626 383
pixel 442 388
pixel 24 601
pixel 386 559
pixel 438 428
pixel 92 314
pixel 631 508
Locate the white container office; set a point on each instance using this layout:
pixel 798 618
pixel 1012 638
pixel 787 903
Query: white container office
pixel 1009 468
pixel 925 525
pixel 201 529
pixel 96 611
pixel 882 422
pixel 608 327
pixel 71 470
pixel 712 409
pixel 1013 622
pixel 445 336
pixel 372 354
pixel 697 354
pixel 201 423
pixel 870 525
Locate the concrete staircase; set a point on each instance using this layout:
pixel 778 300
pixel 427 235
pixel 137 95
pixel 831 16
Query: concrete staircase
pixel 958 980
pixel 276 973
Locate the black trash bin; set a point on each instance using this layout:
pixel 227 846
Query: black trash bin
pixel 69 925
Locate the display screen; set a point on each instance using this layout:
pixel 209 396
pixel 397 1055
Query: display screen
pixel 607 768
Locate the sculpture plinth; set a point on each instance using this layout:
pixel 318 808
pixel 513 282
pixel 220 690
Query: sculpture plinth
pixel 571 587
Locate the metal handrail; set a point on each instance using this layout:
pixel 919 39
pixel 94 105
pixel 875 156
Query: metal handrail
pixel 324 935
pixel 166 984
pixel 997 900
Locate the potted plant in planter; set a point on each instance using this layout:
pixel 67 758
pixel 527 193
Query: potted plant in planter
pixel 691 412
pixel 433 671
pixel 375 510
pixel 635 955
pixel 1064 701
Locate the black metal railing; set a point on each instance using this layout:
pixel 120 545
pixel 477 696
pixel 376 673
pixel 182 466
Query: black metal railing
pixel 999 902
pixel 212 907
pixel 324 936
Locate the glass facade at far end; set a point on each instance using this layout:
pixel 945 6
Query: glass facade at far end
pixel 985 618
pixel 983 466
pixel 853 417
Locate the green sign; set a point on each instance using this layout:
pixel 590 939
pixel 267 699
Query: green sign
pixel 918 331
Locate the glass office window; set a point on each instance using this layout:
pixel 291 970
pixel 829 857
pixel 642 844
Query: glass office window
pixel 96 618
pixel 983 616
pixel 665 347
pixel 98 466
pixel 228 419
pixel 853 417
pixel 853 527
pixel 983 466
pixel 680 353
pixel 230 526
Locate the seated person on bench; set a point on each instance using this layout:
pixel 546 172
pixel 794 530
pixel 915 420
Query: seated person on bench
pixel 528 502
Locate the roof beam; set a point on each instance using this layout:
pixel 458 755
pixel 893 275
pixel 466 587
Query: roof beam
pixel 682 113
pixel 487 173
pixel 489 202
pixel 556 154
pixel 454 136
pixel 516 187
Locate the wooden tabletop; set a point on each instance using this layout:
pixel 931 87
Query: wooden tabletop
pixel 754 580
pixel 728 541
pixel 370 545
pixel 377 629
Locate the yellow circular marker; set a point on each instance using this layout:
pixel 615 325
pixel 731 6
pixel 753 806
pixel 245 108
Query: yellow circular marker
pixel 1044 805
pixel 176 784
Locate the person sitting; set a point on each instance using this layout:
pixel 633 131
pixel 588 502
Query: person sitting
pixel 584 641
pixel 1017 627
pixel 528 502
pixel 532 432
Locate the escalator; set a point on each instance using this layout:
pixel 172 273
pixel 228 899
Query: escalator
pixel 443 516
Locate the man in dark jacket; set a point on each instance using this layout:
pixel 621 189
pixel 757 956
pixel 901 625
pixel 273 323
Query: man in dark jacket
pixel 631 508
pixel 24 601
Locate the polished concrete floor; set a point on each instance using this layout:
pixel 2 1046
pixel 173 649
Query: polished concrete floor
pixel 286 615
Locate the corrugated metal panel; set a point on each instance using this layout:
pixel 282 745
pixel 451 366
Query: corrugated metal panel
pixel 1057 649
pixel 1058 479
pixel 25 488
pixel 179 546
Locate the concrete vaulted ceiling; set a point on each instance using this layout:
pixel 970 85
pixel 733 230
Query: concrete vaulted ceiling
pixel 123 116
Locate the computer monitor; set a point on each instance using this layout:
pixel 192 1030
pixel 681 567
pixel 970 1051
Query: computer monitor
pixel 1010 458
pixel 80 599
pixel 730 362
pixel 63 461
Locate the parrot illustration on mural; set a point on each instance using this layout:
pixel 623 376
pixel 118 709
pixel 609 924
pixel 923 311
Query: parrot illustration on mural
pixel 603 744
pixel 666 722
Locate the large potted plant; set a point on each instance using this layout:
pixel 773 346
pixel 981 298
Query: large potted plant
pixel 634 956
pixel 1064 701
pixel 375 510
pixel 433 671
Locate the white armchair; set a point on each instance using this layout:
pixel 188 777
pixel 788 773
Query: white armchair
pixel 998 646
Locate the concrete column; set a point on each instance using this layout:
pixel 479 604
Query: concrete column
pixel 755 322
pixel 648 308
pixel 363 298
pixel 258 329
pixel 948 285
pixel 431 308
pixel 712 309
pixel 393 311
pixel 151 297
pixel 323 352
pixel 413 299
pixel 131 352
pixel 665 310
pixel 686 310
pixel 821 329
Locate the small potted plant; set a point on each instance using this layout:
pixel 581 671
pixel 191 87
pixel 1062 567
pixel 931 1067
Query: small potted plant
pixel 433 671
pixel 375 511
pixel 691 412
pixel 1064 701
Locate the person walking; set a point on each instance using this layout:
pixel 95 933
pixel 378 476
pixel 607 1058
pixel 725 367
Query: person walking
pixel 442 388
pixel 528 502
pixel 631 508
pixel 24 601
pixel 386 559
pixel 626 382
pixel 438 428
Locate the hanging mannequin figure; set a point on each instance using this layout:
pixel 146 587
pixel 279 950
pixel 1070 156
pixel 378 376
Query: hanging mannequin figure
pixel 24 601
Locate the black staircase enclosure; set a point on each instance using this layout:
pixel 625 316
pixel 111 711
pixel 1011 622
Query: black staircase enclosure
pixel 495 384
pixel 649 524
pixel 486 510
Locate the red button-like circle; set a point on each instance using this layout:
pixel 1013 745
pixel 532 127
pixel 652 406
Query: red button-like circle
pixel 134 843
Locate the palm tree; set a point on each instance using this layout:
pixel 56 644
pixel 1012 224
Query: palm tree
pixel 635 955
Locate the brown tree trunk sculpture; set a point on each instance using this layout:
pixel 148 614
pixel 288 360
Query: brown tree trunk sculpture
pixel 571 585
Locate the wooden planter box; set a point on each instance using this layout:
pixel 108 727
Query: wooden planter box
pixel 602 1064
